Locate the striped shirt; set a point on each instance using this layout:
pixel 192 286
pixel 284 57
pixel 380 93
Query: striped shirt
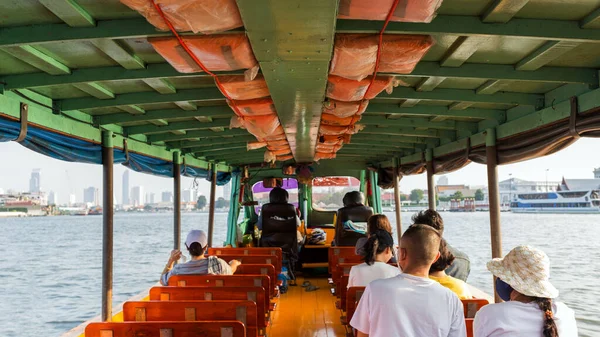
pixel 208 266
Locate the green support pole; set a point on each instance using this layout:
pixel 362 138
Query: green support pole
pixel 363 182
pixel 375 193
pixel 234 210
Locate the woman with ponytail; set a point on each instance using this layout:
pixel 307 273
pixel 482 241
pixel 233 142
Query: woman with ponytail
pixel 529 310
pixel 377 252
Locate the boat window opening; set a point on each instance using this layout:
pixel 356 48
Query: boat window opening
pixel 261 193
pixel 595 195
pixel 578 194
pixel 328 192
pixel 596 203
pixel 537 196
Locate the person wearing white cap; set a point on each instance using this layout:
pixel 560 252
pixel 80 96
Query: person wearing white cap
pixel 196 244
pixel 522 280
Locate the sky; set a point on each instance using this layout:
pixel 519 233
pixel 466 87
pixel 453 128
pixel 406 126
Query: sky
pixel 64 178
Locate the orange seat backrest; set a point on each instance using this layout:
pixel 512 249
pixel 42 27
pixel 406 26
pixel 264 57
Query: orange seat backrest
pixel 343 267
pixel 260 269
pixel 220 281
pixel 255 259
pixel 468 323
pixel 255 294
pixel 152 311
pixel 352 298
pixel 343 290
pixel 335 253
pixel 247 251
pixel 161 329
pixel 471 306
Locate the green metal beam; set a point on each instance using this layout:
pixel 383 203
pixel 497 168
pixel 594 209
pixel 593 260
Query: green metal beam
pixel 210 142
pixel 463 95
pixel 231 148
pixel 433 111
pixel 430 83
pixel 36 58
pixel 153 74
pixel 491 87
pixel 195 135
pixel 547 53
pixel 209 111
pixel 152 71
pixel 70 12
pixel 409 132
pixel 409 122
pixel 175 126
pixel 118 52
pixel 371 143
pixel 133 109
pixel 592 20
pixel 410 140
pixel 502 11
pixel 141 98
pixel 473 26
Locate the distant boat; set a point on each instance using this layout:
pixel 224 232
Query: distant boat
pixel 580 202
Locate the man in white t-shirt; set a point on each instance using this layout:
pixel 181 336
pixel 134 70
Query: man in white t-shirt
pixel 411 304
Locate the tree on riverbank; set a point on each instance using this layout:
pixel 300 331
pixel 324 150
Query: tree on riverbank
pixel 416 195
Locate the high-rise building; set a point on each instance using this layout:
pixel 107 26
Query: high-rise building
pixel 188 195
pixel 443 180
pixel 35 181
pixel 52 198
pixel 149 198
pixel 137 195
pixel 125 200
pixel 597 173
pixel 166 196
pixel 72 200
pixel 91 196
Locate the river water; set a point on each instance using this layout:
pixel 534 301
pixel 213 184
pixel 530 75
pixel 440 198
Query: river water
pixel 50 268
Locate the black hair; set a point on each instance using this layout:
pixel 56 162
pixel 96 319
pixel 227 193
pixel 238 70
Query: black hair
pixel 278 196
pixel 445 260
pixel 377 244
pixel 430 218
pixel 545 304
pixel 196 249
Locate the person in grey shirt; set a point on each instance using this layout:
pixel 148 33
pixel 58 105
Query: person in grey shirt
pixel 461 267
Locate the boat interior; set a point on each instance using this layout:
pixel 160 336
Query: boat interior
pixel 321 93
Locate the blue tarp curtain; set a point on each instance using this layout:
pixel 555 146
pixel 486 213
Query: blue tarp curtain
pixel 71 149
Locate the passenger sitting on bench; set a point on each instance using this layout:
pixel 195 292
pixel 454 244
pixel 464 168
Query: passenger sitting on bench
pixel 411 304
pixel 377 252
pixel 376 222
pixel 197 244
pixel 436 273
pixel 277 196
pixel 351 219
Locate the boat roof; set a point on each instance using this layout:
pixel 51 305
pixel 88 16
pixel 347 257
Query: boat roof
pixel 510 66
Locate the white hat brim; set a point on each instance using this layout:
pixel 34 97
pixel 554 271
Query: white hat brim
pixel 543 289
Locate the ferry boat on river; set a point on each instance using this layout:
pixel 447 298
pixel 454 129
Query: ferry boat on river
pixel 580 202
pixel 251 91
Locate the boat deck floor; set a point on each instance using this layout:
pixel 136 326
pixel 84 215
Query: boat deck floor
pixel 306 314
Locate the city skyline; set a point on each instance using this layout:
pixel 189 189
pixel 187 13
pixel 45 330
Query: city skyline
pixel 66 178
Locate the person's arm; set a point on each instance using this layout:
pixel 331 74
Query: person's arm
pixel 298 222
pixel 175 255
pixel 234 264
pixel 351 277
pixel 361 334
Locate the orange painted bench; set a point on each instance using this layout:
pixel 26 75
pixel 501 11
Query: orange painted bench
pixel 152 311
pixel 469 325
pixel 255 259
pixel 263 281
pixel 342 269
pixel 260 269
pixel 254 294
pixel 166 329
pixel 342 287
pixel 472 305
pixel 247 251
pixel 335 253
pixel 352 298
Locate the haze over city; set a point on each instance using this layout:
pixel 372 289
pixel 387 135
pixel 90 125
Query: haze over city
pixel 65 178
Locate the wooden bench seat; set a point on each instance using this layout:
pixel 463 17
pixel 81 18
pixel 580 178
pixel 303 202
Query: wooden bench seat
pixel 148 311
pixel 254 294
pixel 260 269
pixel 220 281
pixel 247 251
pixel 353 296
pixel 255 259
pixel 166 329
pixel 335 253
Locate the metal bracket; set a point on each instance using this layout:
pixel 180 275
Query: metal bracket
pixel 573 118
pixel 24 113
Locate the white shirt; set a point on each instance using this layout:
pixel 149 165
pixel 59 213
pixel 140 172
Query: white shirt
pixel 363 274
pixel 517 319
pixel 409 306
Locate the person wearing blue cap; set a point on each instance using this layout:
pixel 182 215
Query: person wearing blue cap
pixel 197 244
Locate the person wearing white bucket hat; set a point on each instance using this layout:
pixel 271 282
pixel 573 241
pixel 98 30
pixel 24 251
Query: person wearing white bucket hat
pixel 197 244
pixel 522 280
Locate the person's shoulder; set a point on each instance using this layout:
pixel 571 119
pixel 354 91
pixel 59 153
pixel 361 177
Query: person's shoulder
pixel 457 252
pixel 563 310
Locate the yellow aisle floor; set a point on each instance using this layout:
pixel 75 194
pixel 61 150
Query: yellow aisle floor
pixel 306 314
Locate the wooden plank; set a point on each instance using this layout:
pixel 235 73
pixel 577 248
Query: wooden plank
pixel 161 85
pixel 133 109
pixel 547 53
pixel 461 50
pixel 491 87
pixel 117 51
pixel 186 105
pixel 95 89
pixel 430 83
pixel 592 20
pixel 36 58
pixel 70 12
pixel 502 11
